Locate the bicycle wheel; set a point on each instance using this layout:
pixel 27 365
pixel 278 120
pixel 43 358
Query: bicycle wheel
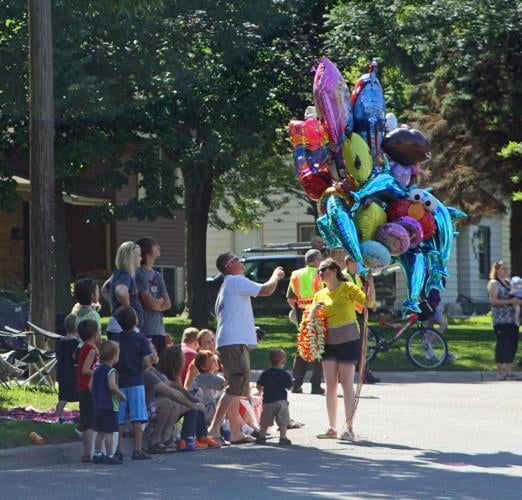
pixel 426 348
pixel 371 349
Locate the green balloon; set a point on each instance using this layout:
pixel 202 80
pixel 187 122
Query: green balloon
pixel 357 158
pixel 368 220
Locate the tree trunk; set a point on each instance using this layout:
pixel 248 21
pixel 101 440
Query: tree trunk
pixel 516 238
pixel 41 162
pixel 198 194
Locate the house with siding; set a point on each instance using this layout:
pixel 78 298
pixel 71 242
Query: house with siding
pixel 475 248
pixel 92 247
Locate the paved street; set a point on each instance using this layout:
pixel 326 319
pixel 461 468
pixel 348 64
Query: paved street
pixel 417 440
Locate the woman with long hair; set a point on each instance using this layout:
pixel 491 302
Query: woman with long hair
pixel 342 343
pixel 503 319
pixel 120 289
pixel 194 415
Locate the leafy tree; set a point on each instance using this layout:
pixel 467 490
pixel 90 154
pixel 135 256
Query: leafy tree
pixel 454 68
pixel 209 84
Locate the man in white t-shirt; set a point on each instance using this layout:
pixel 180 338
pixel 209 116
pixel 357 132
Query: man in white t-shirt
pixel 235 335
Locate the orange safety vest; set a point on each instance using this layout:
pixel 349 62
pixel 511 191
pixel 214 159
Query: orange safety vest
pixel 305 282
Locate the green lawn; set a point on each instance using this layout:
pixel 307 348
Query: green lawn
pixel 471 340
pixel 14 434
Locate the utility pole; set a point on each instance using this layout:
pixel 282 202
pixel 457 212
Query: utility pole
pixel 41 161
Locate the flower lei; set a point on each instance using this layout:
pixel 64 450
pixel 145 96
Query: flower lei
pixel 312 333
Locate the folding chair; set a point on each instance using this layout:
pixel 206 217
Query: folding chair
pixel 40 362
pixel 8 372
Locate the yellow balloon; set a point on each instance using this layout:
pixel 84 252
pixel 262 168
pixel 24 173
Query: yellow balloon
pixel 368 220
pixel 357 158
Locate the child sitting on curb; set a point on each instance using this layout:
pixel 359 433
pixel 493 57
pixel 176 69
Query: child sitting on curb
pixel 273 384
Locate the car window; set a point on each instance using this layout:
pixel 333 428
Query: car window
pixel 261 270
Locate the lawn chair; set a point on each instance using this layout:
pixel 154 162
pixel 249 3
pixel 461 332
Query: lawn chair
pixel 8 372
pixel 40 362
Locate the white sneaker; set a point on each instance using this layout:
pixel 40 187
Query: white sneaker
pixel 348 435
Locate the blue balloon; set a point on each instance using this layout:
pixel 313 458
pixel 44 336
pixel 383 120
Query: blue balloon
pixel 326 232
pixel 455 213
pixel 382 184
pixel 343 226
pixel 375 255
pixel 413 266
pixel 437 273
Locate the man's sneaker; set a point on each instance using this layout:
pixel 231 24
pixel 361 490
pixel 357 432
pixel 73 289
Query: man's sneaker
pixel 329 434
pixel 99 458
pixel 183 445
pixel 209 441
pixel 139 455
pixel 284 441
pixel 114 460
pixel 118 454
pixel 297 390
pixel 318 390
pixel 261 440
pixel 200 445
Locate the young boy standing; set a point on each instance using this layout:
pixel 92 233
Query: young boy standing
pixel 87 362
pixel 273 384
pixel 106 396
pixel 66 365
pixel 135 356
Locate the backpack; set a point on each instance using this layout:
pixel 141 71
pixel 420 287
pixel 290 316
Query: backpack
pixel 369 110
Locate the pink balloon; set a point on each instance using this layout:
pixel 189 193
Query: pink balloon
pixel 394 237
pixel 332 101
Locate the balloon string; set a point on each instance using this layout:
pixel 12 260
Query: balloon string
pixel 362 360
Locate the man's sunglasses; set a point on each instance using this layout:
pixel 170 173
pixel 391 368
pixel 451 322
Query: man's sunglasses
pixel 231 261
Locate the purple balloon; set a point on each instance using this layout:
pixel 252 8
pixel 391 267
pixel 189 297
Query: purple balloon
pixel 394 237
pixel 414 228
pixel 401 173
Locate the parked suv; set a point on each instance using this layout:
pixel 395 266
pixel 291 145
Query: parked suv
pixel 259 269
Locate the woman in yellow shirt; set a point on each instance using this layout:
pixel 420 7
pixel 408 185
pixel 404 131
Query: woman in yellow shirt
pixel 342 341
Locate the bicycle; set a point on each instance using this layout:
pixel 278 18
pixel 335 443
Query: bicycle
pixel 426 348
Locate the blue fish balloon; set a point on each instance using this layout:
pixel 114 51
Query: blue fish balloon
pixel 413 266
pixel 383 184
pixel 343 226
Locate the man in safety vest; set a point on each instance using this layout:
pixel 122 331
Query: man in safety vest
pixel 303 284
pixel 350 272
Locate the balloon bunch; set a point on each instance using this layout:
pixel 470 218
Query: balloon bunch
pixel 353 159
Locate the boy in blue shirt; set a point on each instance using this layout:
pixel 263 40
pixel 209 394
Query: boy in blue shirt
pixel 106 396
pixel 274 384
pixel 135 356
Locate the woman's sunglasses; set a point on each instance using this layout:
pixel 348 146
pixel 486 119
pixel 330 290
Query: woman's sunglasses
pixel 321 270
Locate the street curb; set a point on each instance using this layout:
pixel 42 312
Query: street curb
pixel 28 457
pixel 420 376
